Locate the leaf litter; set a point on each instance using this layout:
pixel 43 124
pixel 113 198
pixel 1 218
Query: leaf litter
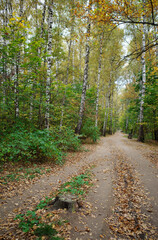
pixel 128 220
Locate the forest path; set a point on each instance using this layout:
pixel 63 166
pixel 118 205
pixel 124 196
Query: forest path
pixel 126 193
pixel 113 156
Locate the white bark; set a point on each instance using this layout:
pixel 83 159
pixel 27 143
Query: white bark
pixel 107 107
pixel 67 73
pixel 142 87
pixel 111 113
pixel 85 79
pixel 80 58
pixel 49 63
pixel 16 92
pixel 73 62
pixel 106 114
pixel 98 81
pixel 66 81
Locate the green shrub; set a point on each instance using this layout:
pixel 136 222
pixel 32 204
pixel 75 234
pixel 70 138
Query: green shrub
pixel 90 131
pixel 66 138
pixel 38 144
pixel 45 230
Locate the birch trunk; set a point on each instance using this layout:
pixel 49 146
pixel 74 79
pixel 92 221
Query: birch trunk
pixel 142 88
pixel 39 52
pixel 68 69
pixel 16 76
pixel 111 112
pixel 73 62
pixel 106 115
pixel 49 63
pixel 80 59
pixel 66 81
pixel 16 92
pixel 108 97
pixel 85 79
pixel 5 12
pixel 98 82
pixel 156 48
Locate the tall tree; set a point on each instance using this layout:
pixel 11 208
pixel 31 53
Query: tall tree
pixel 85 77
pixel 49 63
pixel 98 80
pixel 142 84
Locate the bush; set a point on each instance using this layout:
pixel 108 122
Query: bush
pixel 90 131
pixel 38 145
pixel 66 139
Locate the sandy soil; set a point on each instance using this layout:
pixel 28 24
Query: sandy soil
pixel 113 159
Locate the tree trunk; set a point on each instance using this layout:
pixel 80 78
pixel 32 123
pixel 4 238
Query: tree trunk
pixel 111 113
pixel 67 77
pixel 98 82
pixel 80 59
pixel 4 75
pixel 16 77
pixel 49 63
pixel 126 124
pixel 68 65
pixel 73 62
pixel 85 79
pixel 21 7
pixel 142 89
pixel 156 134
pixel 105 115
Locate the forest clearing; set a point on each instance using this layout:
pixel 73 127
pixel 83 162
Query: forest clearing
pixel 79 119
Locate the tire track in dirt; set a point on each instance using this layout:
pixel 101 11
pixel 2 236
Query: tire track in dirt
pixel 113 159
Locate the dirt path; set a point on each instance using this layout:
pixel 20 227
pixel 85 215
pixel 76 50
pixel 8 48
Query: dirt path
pixel 117 206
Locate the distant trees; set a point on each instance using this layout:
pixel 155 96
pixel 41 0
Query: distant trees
pixel 51 62
pixel 60 63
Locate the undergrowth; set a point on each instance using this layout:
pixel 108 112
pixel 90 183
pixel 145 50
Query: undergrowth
pixel 37 145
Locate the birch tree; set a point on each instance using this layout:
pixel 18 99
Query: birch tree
pixel 49 63
pixel 85 77
pixel 98 81
pixel 70 42
pixel 142 85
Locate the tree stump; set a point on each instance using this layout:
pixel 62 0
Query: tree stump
pixel 66 201
pixel 130 135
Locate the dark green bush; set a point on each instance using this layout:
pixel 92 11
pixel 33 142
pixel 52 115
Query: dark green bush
pixel 66 139
pixel 90 131
pixel 38 144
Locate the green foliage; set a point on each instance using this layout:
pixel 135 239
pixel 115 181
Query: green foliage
pixel 28 220
pixel 66 139
pixel 77 184
pixel 90 131
pixel 131 113
pixel 38 145
pixel 45 230
pixel 43 203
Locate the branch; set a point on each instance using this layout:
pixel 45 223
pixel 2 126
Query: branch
pixel 136 22
pixel 137 53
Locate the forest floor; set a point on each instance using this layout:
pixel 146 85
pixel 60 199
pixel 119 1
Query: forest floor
pixel 121 204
